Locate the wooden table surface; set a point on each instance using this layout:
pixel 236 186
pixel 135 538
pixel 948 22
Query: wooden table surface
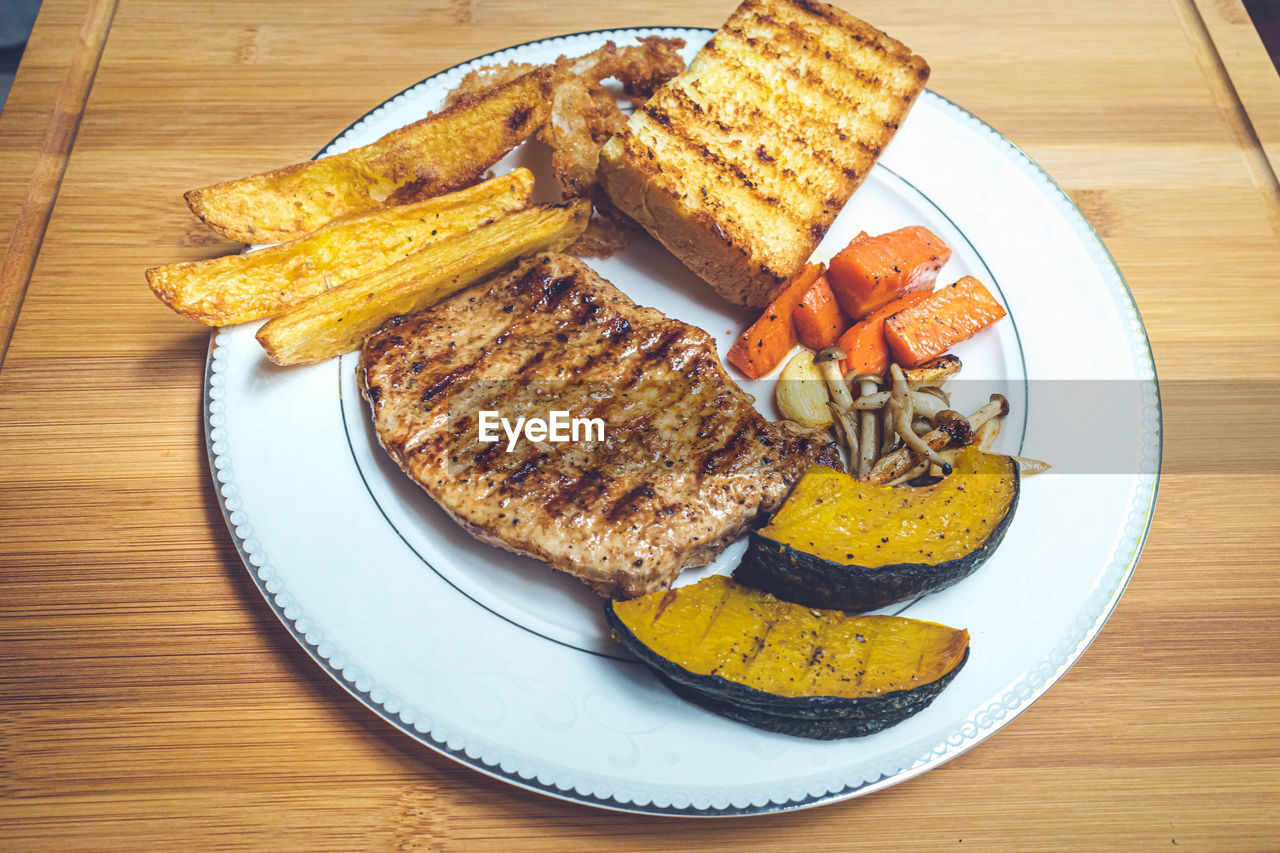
pixel 149 698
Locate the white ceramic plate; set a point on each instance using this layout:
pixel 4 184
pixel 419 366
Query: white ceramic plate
pixel 503 665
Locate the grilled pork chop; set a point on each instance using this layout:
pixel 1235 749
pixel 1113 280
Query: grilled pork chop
pixel 685 462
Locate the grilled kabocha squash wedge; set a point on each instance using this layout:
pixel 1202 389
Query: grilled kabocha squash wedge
pixel 746 655
pixel 851 545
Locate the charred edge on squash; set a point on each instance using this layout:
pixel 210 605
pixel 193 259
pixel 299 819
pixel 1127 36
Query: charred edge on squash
pixel 812 727
pixel 793 574
pixel 842 716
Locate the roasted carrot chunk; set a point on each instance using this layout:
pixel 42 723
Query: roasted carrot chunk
pixel 950 315
pixel 818 317
pixel 864 342
pixel 762 347
pixel 873 272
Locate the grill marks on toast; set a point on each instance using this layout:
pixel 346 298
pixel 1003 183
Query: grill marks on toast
pixel 778 174
pixel 761 141
pixel 783 120
pixel 883 90
pixel 806 103
pixel 732 199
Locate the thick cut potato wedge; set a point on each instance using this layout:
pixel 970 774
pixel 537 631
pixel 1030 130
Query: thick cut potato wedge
pixel 256 285
pixel 339 319
pixel 442 152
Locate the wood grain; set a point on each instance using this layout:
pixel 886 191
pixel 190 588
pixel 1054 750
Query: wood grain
pixel 149 699
pixel 46 176
pixel 1226 68
pixel 1253 76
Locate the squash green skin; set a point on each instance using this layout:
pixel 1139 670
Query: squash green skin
pixel 795 575
pixel 883 710
pixel 813 727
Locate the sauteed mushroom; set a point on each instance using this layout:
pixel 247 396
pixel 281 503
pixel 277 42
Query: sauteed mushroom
pixel 828 360
pixel 1027 467
pixel 952 429
pixel 908 429
pixel 914 442
pixel 846 430
pixel 867 384
pixel 934 372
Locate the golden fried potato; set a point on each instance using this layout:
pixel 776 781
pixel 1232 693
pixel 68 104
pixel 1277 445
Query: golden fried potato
pixel 583 114
pixel 442 152
pixel 485 79
pixel 339 319
pixel 239 288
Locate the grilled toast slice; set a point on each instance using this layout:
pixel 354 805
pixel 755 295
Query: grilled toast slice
pixel 740 164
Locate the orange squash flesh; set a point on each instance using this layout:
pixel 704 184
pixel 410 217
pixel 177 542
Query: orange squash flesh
pixel 720 628
pixel 841 519
pixel 847 544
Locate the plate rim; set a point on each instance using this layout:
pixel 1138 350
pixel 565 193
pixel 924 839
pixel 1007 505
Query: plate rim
pixel 212 407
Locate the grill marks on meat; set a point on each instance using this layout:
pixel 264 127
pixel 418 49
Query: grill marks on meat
pixel 686 462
